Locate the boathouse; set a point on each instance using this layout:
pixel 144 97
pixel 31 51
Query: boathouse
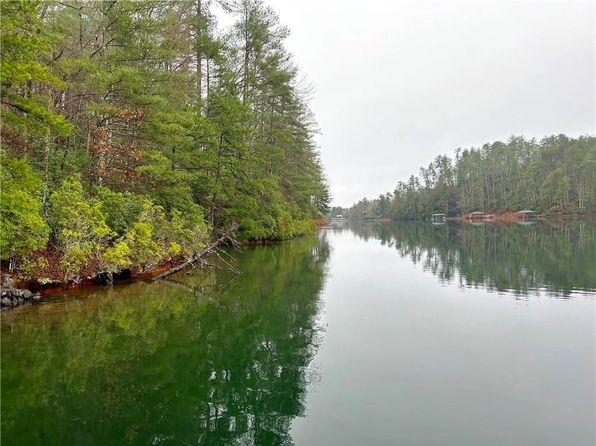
pixel 527 214
pixel 477 216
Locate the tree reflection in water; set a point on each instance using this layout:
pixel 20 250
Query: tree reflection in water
pixel 155 363
pixel 552 258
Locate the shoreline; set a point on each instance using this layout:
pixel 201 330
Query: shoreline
pixel 36 288
pixel 23 291
pixel 507 217
pixel 20 292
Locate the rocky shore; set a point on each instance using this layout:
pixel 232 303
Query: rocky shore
pixel 13 297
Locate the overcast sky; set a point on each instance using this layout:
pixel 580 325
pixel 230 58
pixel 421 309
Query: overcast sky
pixel 398 83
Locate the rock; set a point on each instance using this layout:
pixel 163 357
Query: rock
pixel 12 297
pixel 7 281
pixel 104 279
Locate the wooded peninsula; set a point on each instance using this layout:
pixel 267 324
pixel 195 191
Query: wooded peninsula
pixel 134 133
pixel 556 175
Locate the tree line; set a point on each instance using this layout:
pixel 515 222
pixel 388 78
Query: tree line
pixel 131 131
pixel 557 173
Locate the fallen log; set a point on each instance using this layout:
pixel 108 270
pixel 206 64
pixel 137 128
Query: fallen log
pixel 198 258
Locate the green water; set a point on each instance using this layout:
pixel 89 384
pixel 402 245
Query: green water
pixel 377 334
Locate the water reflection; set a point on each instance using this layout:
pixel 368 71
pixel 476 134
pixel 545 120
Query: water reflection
pixel 212 359
pixel 531 259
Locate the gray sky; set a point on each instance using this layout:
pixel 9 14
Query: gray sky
pixel 397 83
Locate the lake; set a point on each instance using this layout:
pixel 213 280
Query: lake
pixel 368 334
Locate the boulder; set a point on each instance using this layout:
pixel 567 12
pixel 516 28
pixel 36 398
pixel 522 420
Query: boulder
pixel 12 297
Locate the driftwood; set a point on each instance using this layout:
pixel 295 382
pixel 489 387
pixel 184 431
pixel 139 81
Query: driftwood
pixel 198 258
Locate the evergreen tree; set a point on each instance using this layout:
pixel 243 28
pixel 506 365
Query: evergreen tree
pixel 148 102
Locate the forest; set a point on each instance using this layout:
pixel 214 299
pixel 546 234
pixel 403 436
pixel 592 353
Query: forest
pixel 135 132
pixel 555 174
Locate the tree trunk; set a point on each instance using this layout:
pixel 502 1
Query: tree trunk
pixel 46 170
pixel 198 256
pixel 198 48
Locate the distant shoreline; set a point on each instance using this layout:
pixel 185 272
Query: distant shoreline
pixel 496 216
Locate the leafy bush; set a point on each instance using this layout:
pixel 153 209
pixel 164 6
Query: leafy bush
pixel 145 252
pixel 78 225
pixel 116 257
pixel 155 238
pixel 85 227
pixel 23 228
pixel 188 230
pixel 121 209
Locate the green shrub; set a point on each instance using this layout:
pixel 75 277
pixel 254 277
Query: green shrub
pixel 78 225
pixel 121 209
pixel 145 251
pixel 186 230
pixel 115 258
pixel 155 238
pixel 23 228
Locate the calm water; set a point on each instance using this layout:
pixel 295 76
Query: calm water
pixel 393 334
